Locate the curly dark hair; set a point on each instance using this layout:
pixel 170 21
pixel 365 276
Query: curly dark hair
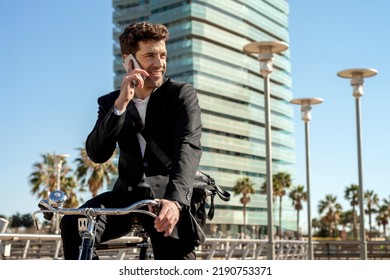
pixel 141 31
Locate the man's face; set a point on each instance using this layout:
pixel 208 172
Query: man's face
pixel 152 56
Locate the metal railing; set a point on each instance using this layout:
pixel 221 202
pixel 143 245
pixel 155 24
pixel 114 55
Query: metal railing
pixel 227 248
pixel 30 246
pixel 350 250
pixel 49 246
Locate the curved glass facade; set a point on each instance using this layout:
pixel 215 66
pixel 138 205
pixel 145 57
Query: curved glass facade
pixel 206 50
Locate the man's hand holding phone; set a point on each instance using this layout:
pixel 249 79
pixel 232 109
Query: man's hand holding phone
pixel 134 77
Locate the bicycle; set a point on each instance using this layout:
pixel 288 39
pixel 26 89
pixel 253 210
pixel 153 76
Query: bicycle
pixel 87 226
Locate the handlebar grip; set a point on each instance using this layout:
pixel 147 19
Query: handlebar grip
pixel 47 215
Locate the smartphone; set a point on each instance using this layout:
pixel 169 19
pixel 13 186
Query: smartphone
pixel 125 62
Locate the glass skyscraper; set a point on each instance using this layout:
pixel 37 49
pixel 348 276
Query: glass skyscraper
pixel 206 49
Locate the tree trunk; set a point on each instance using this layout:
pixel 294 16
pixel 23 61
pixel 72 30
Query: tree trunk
pixel 370 223
pixel 354 229
pixel 280 217
pixel 298 233
pixel 244 211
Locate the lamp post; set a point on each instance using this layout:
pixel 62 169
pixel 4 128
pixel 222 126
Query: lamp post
pixel 265 50
pixel 306 117
pixel 59 160
pixel 356 75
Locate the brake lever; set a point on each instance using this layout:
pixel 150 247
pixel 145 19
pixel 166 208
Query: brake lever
pixel 157 208
pixel 36 224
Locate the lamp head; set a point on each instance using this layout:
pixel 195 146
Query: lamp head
pixel 357 75
pixel 265 50
pixel 306 106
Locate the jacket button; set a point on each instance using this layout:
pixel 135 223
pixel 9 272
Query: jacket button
pixel 129 188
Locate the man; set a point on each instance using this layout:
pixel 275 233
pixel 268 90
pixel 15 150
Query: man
pixel 171 115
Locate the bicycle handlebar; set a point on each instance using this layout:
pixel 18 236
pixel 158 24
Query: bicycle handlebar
pixel 54 207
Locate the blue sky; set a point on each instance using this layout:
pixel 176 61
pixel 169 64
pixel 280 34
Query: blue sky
pixel 56 59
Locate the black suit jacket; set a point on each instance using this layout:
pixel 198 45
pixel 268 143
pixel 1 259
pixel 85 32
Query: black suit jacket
pixel 173 121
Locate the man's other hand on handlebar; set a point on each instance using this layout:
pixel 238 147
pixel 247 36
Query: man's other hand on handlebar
pixel 168 217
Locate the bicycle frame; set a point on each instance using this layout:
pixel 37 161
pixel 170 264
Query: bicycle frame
pixel 88 225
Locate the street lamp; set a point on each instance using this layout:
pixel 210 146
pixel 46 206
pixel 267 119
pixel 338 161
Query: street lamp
pixel 306 117
pixel 356 75
pixel 266 51
pixel 59 160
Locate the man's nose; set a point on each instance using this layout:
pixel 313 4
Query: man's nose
pixel 159 61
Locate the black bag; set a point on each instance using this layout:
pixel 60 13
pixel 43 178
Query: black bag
pixel 204 184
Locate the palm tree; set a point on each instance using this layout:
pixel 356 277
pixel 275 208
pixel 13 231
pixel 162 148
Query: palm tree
pixel 332 209
pixel 44 179
pixel 386 215
pixel 316 225
pixel 94 175
pixel 298 195
pixel 372 201
pixel 281 181
pixel 387 203
pixel 346 219
pixel 351 194
pixel 382 218
pixel 244 186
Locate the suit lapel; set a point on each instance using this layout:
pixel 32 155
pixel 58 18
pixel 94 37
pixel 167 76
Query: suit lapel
pixel 130 135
